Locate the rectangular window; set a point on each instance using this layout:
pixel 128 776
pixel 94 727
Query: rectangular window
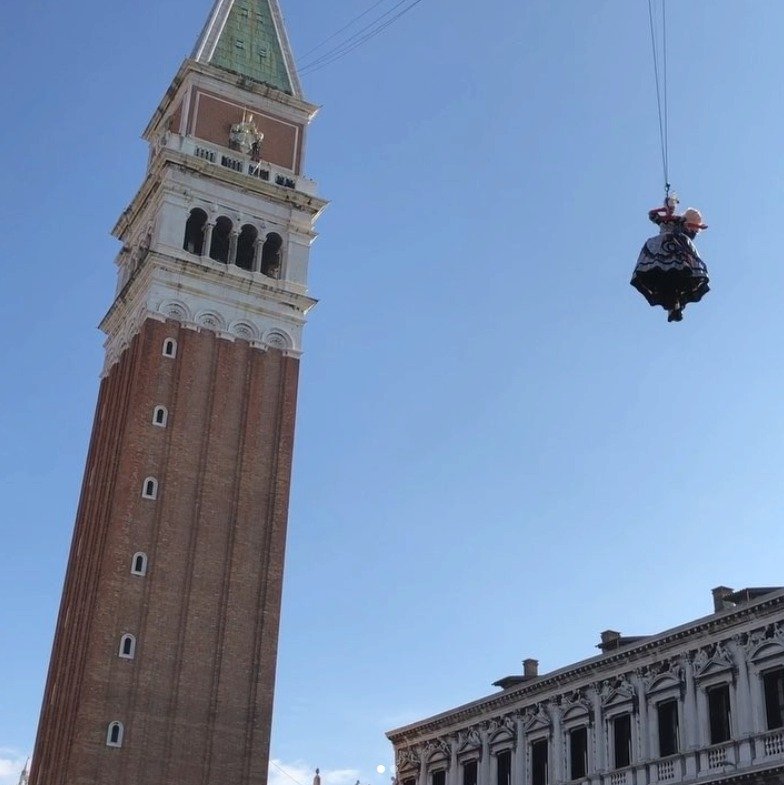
pixel 622 741
pixel 773 682
pixel 503 763
pixel 578 753
pixel 667 712
pixel 438 777
pixel 470 773
pixel 719 713
pixel 539 762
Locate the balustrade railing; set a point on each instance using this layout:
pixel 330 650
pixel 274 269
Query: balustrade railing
pixel 773 743
pixel 236 162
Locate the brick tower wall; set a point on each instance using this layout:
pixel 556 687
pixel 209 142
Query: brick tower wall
pixel 196 700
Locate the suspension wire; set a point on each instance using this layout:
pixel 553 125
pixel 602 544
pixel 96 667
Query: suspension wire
pixel 342 29
pixel 365 33
pixel 369 31
pixel 283 771
pixel 661 77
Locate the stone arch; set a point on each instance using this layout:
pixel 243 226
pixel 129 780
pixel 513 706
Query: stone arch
pixel 193 242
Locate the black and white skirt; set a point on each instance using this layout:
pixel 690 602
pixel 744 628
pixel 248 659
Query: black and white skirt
pixel 669 271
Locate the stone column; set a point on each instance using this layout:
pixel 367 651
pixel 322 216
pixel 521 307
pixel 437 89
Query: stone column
pixel 422 780
pixel 599 762
pixel 233 237
pixel 556 744
pixel 484 760
pixel 518 754
pixel 258 247
pixel 691 713
pixel 452 773
pixel 205 248
pixel 644 725
pixel 693 698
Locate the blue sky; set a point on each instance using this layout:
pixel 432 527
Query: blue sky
pixel 501 449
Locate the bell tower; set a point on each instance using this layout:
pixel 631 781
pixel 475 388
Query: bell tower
pixel 163 664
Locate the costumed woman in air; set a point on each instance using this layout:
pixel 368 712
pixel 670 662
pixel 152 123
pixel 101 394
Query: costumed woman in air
pixel 669 270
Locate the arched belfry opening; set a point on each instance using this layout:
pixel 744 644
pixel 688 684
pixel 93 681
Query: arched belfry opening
pixel 271 255
pixel 221 240
pixel 194 232
pixel 246 247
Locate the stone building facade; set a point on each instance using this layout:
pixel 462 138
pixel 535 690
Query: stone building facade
pixel 163 664
pixel 701 703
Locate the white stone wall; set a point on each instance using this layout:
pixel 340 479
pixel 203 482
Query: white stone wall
pixel 732 649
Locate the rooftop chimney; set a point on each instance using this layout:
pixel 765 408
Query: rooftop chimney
pixel 720 601
pixel 530 668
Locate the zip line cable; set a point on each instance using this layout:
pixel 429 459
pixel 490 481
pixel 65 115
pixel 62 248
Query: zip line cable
pixel 345 27
pixel 365 33
pixel 661 87
pixel 369 31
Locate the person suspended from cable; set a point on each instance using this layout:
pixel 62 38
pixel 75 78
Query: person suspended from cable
pixel 669 271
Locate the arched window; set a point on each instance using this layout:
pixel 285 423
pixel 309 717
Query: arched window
pixel 139 564
pixel 160 416
pixel 246 247
pixel 219 247
pixel 114 734
pixel 271 255
pixel 194 232
pixel 127 646
pixel 170 348
pixel 150 488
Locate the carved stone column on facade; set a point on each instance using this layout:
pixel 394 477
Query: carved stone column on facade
pixel 690 711
pixel 484 763
pixel 557 745
pixel 599 736
pixel 518 754
pixel 422 780
pixel 258 248
pixel 453 774
pixel 643 726
pixel 205 248
pixel 233 239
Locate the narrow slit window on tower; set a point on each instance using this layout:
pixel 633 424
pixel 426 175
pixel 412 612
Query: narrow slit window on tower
pixel 114 734
pixel 667 714
pixel 139 564
pixel 578 753
pixel 539 762
pixel 271 255
pixel 719 713
pixel 219 248
pixel 170 348
pixel 160 416
pixel 150 488
pixel 438 777
pixel 773 683
pixel 470 773
pixel 503 769
pixel 194 229
pixel 127 646
pixel 246 247
pixel 622 741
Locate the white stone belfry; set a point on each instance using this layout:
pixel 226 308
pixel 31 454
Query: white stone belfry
pixel 219 234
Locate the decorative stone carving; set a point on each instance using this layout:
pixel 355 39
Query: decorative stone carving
pixel 669 671
pixel 277 339
pixel 616 690
pixel 536 717
pixel 244 330
pixel 246 137
pixel 175 310
pixel 211 321
pixel 469 739
pixel 408 758
pixel 712 658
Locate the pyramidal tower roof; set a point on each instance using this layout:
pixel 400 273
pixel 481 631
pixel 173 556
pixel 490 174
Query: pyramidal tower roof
pixel 248 37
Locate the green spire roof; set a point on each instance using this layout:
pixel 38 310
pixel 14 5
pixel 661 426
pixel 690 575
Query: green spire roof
pixel 247 37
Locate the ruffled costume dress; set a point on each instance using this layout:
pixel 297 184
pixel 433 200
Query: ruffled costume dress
pixel 669 270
